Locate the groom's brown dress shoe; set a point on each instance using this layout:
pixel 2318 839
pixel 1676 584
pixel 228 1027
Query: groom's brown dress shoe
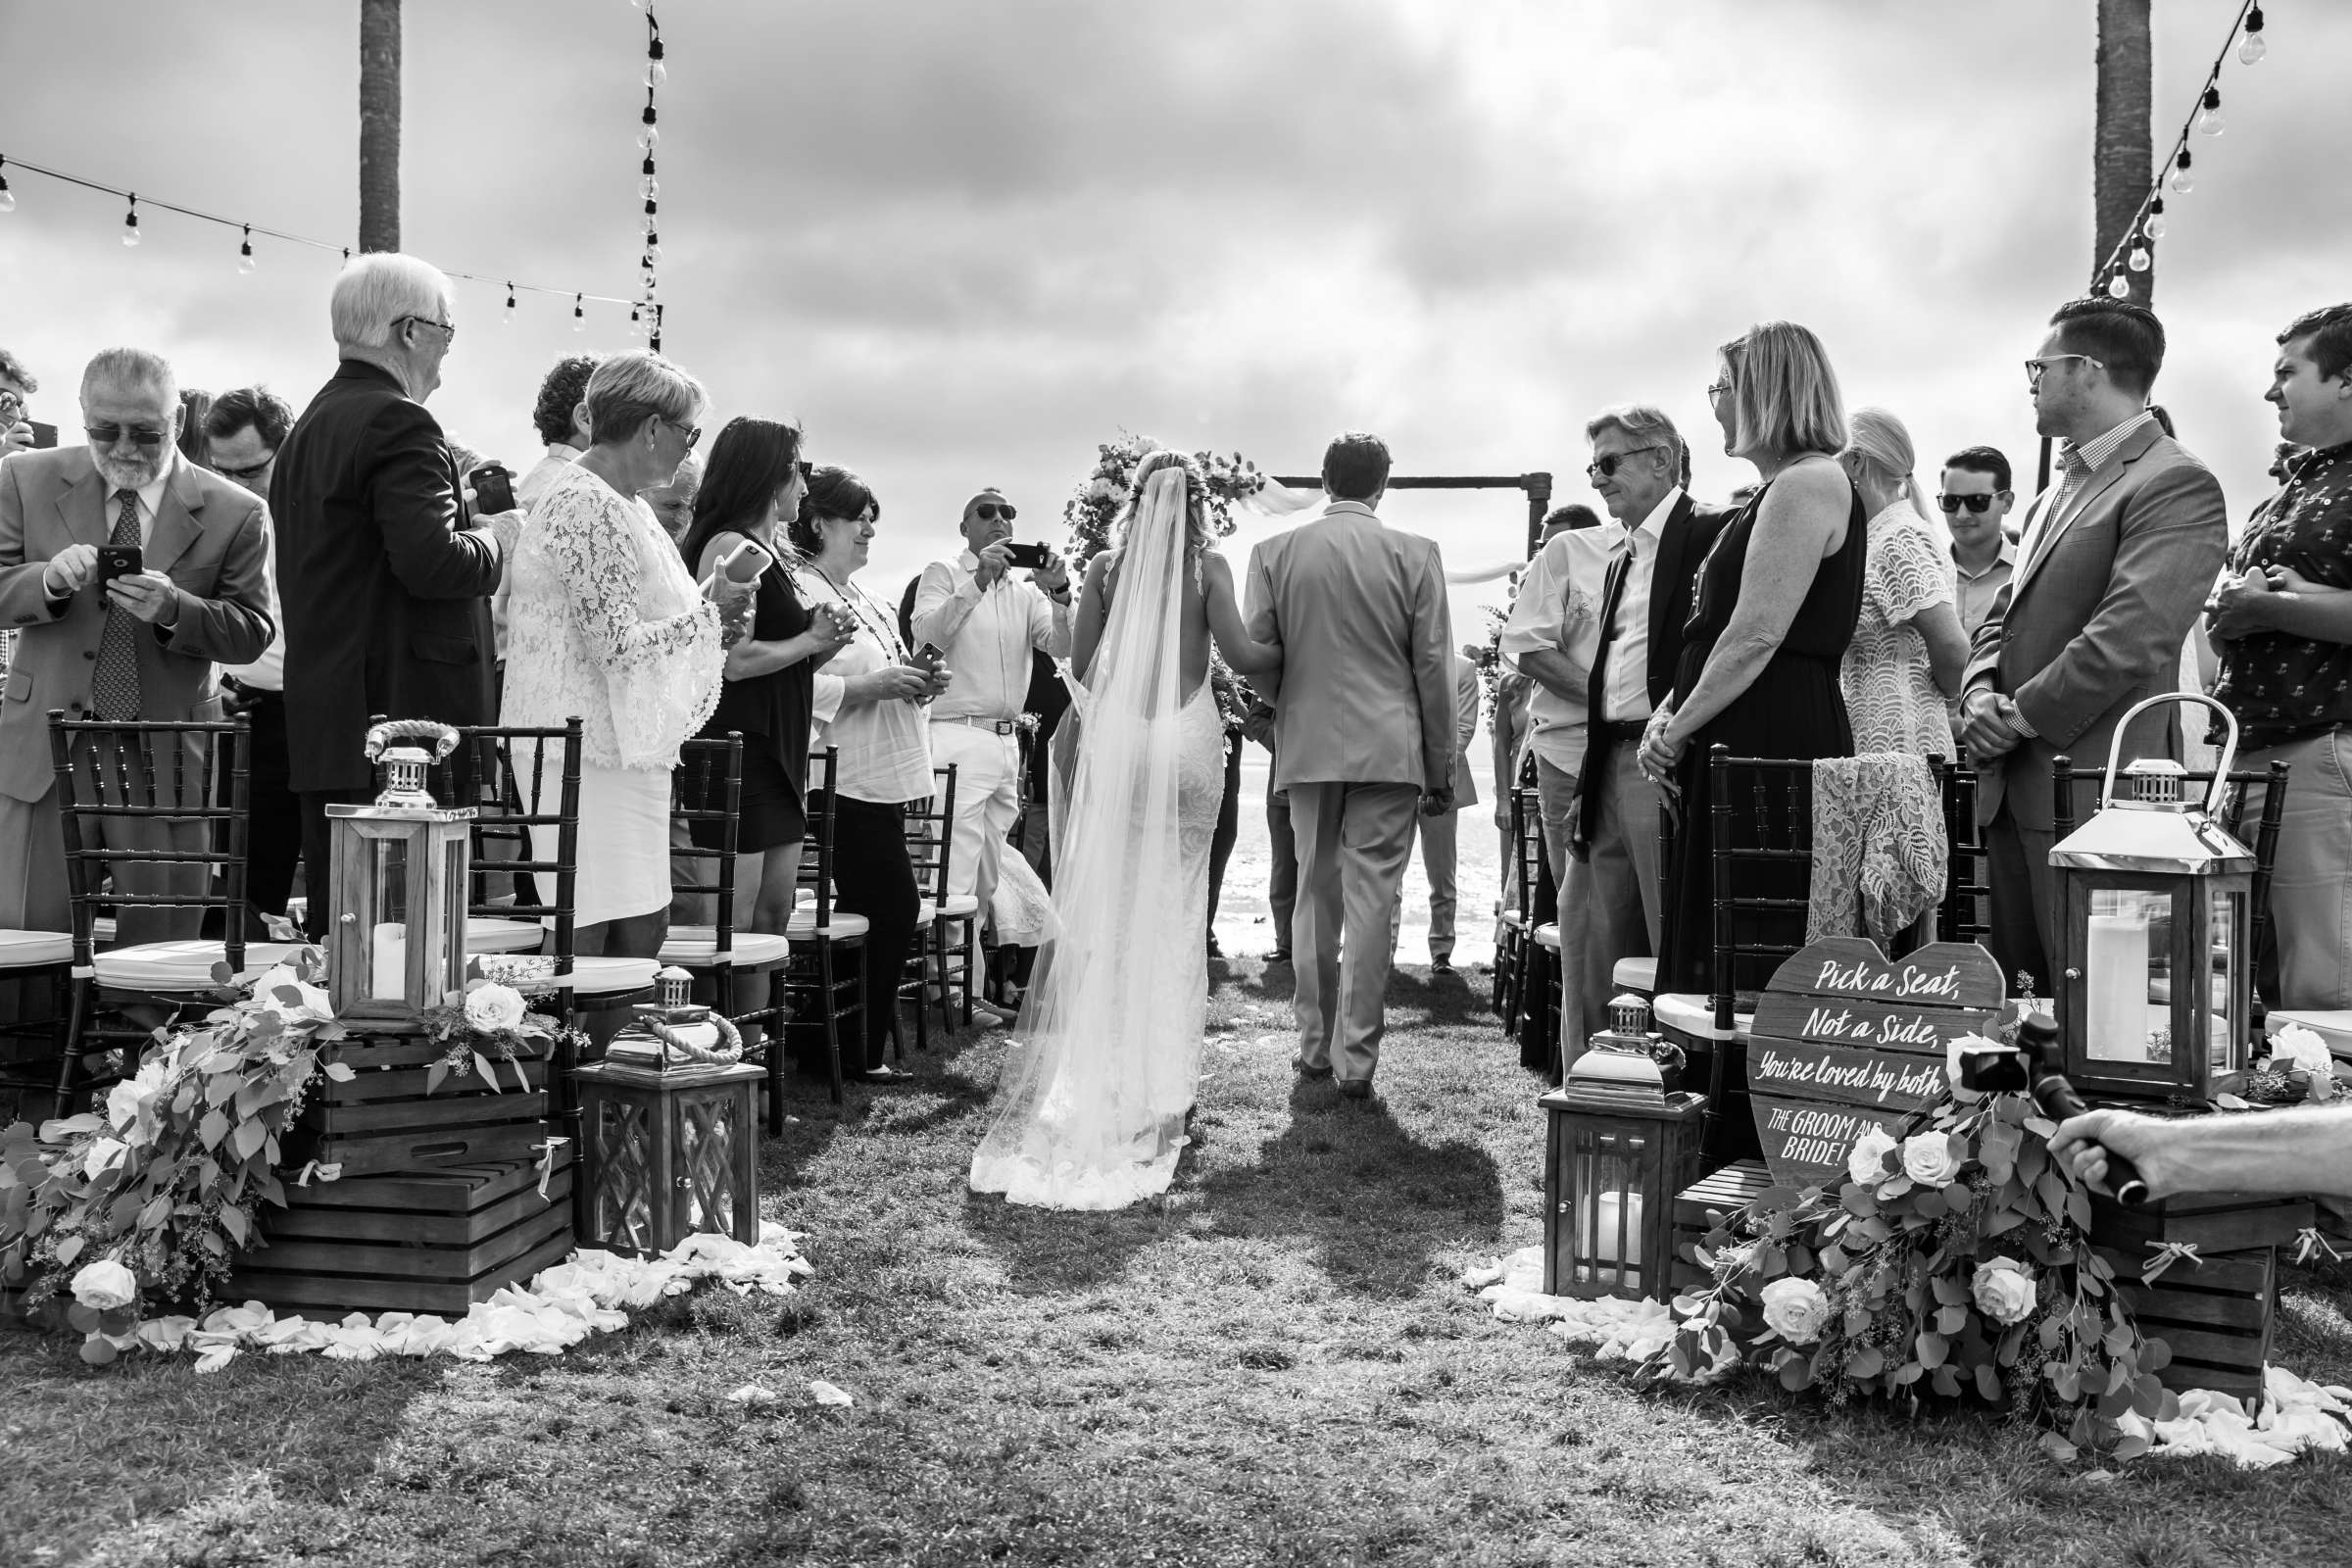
pixel 1305 1071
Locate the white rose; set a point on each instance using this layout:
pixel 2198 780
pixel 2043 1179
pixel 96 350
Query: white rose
pixel 125 1101
pixel 2005 1291
pixel 1795 1309
pixel 105 1284
pixel 1929 1159
pixel 1102 489
pixel 494 1006
pixel 1867 1162
pixel 105 1153
pixel 2297 1047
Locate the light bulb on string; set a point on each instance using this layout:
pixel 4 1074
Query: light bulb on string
pixel 8 198
pixel 2120 286
pixel 653 250
pixel 648 138
pixel 2154 227
pixel 245 261
pixel 655 74
pixel 579 315
pixel 2183 181
pixel 636 322
pixel 130 224
pixel 505 318
pixel 2254 48
pixel 2209 117
pixel 2139 259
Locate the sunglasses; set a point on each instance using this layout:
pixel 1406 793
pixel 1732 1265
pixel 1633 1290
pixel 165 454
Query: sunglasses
pixel 142 435
pixel 254 472
pixel 1606 465
pixel 987 511
pixel 1976 504
pixel 2036 368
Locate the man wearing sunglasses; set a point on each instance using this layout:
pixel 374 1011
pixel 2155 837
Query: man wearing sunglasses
pixel 132 645
pixel 1976 499
pixel 987 624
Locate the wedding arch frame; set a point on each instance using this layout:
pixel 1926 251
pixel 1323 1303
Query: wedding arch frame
pixel 1536 486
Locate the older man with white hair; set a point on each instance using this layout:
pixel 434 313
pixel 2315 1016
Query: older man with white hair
pixel 384 578
pixel 143 645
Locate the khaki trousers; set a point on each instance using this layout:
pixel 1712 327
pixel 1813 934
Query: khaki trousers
pixel 1354 842
pixel 1609 900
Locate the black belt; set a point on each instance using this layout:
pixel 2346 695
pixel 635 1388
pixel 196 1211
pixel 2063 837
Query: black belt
pixel 252 693
pixel 1617 733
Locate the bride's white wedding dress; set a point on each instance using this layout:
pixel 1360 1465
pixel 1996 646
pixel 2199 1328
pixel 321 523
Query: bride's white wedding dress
pixel 1092 1100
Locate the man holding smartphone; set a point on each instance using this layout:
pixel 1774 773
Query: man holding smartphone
pixel 984 625
pixel 17 432
pixel 131 574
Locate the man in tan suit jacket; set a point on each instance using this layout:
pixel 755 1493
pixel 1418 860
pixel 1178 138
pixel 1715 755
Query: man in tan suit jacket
pixel 149 643
pixel 2116 560
pixel 1363 734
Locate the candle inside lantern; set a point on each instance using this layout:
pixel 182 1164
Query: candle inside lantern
pixel 1613 1208
pixel 2116 975
pixel 388 962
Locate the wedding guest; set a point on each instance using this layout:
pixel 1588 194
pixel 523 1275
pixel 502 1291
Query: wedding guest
pixel 2116 558
pixel 1904 665
pixel 986 624
pixel 1772 612
pixel 866 703
pixel 605 623
pixel 142 647
pixel 1233 696
pixel 383 580
pixel 1600 628
pixel 194 404
pixel 1282 838
pixel 1440 834
pixel 755 492
pixel 672 504
pixel 2301 1149
pixel 16 387
pixel 1975 498
pixel 2281 618
pixel 244 431
pixel 560 416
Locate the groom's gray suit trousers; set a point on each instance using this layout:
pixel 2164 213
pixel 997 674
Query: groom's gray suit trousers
pixel 1354 843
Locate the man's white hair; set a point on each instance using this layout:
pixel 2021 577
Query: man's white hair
pixel 130 368
pixel 379 288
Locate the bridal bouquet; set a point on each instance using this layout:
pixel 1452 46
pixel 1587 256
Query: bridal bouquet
pixel 1092 510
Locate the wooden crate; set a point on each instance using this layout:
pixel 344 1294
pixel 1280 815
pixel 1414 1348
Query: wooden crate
pixel 383 1120
pixel 1733 1187
pixel 2211 1222
pixel 2215 1319
pixel 422 1241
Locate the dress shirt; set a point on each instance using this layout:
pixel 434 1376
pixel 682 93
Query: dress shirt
pixel 1559 607
pixel 2078 465
pixel 987 636
pixel 1627 691
pixel 151 497
pixel 1978 590
pixel 2280 686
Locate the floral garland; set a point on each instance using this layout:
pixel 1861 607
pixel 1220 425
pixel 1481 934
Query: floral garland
pixel 1955 1262
pixel 1092 510
pixel 485 1023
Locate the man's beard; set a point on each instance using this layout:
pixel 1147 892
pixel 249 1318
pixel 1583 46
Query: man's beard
pixel 136 474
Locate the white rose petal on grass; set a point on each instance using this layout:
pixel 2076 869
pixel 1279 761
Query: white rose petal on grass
pixel 1866 1164
pixel 753 1393
pixel 494 1006
pixel 1795 1309
pixel 2005 1291
pixel 1930 1159
pixel 826 1394
pixel 105 1284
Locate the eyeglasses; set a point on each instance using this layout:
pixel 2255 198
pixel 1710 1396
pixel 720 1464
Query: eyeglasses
pixel 2036 367
pixel 692 433
pixel 245 475
pixel 141 436
pixel 987 511
pixel 1979 505
pixel 448 327
pixel 1606 466
pixel 1716 389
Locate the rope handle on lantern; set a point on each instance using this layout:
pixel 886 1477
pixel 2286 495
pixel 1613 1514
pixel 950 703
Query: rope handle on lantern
pixel 727 1053
pixel 443 737
pixel 2220 771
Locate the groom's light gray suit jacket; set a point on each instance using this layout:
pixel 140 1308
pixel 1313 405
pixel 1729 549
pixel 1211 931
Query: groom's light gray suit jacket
pixel 1367 693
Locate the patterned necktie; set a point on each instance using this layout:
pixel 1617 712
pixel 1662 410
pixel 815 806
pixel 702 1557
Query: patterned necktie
pixel 114 688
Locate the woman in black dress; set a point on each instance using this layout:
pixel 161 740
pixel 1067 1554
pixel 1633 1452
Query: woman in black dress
pixel 1773 610
pixel 754 483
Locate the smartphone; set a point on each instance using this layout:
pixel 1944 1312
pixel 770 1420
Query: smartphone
pixel 118 560
pixel 744 562
pixel 1028 558
pixel 45 436
pixel 493 485
pixel 930 656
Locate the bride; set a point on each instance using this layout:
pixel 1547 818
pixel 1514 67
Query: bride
pixel 1092 1105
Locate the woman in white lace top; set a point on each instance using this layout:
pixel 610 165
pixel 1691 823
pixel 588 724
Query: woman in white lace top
pixel 605 622
pixel 1908 651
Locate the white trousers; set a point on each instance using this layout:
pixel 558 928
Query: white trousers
pixel 987 779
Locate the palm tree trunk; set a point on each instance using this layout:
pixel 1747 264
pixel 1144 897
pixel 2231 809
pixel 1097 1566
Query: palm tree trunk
pixel 2123 156
pixel 379 125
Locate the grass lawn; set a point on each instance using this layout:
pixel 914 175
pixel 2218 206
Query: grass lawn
pixel 1274 1365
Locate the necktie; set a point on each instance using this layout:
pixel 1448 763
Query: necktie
pixel 1596 694
pixel 114 688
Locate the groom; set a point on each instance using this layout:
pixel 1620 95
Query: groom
pixel 1363 736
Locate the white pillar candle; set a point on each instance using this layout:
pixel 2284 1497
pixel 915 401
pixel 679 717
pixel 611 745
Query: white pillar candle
pixel 2115 978
pixel 1602 1247
pixel 389 967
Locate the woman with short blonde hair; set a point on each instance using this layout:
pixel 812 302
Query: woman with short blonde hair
pixel 1904 665
pixel 1771 615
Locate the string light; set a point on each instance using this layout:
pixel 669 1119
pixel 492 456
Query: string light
pixel 2154 227
pixel 245 261
pixel 2254 48
pixel 505 318
pixel 645 317
pixel 2183 181
pixel 2139 259
pixel 8 198
pixel 655 334
pixel 579 316
pixel 130 221
pixel 2209 119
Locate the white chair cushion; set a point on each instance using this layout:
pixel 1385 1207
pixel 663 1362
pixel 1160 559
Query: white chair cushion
pixel 959 906
pixel 1685 1014
pixel 485 934
pixel 804 926
pixel 534 973
pixel 1635 975
pixel 1513 918
pixel 182 965
pixel 32 949
pixel 696 947
pixel 2335 1027
pixel 1548 935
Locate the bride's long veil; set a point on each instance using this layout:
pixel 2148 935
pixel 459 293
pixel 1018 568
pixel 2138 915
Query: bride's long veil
pixel 1096 1089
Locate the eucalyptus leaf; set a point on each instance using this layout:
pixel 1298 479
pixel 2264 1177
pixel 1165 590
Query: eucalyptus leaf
pixel 340 1072
pixel 97 1353
pixel 1931 1348
pixel 68 1251
pixel 1989 1382
pixel 246 1142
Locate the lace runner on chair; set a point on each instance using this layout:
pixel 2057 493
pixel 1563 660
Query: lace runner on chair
pixel 1880 856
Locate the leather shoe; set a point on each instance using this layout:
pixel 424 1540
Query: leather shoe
pixel 1305 1071
pixel 1355 1087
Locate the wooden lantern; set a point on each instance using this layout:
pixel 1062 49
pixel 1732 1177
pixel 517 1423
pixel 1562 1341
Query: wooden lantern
pixel 672 1140
pixel 2155 978
pixel 397 887
pixel 1624 1141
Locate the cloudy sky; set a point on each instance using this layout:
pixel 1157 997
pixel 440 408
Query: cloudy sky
pixel 965 240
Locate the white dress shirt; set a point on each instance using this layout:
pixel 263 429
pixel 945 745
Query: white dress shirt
pixel 1559 607
pixel 1628 689
pixel 151 498
pixel 987 636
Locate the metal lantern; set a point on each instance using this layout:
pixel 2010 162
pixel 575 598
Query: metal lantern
pixel 2155 976
pixel 1625 1139
pixel 671 1131
pixel 397 885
